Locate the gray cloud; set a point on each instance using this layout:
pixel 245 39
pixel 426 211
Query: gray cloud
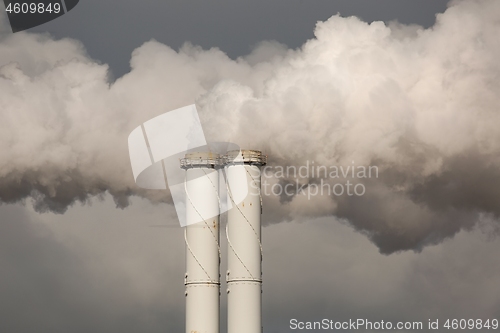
pixel 421 104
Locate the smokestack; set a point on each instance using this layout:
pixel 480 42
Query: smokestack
pixel 202 277
pixel 243 231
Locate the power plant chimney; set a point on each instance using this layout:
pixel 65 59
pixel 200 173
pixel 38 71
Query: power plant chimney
pixel 201 235
pixel 243 231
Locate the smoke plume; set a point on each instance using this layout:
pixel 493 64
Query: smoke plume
pixel 420 104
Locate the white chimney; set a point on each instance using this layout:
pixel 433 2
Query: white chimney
pixel 202 277
pixel 243 231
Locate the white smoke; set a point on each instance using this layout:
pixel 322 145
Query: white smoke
pixel 421 104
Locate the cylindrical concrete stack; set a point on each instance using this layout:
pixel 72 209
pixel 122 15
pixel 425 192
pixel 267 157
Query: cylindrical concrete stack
pixel 202 277
pixel 243 230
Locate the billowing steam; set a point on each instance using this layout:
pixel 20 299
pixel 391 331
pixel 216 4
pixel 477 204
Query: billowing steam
pixel 420 104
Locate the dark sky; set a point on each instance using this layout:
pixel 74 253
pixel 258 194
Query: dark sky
pixel 101 269
pixel 111 30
